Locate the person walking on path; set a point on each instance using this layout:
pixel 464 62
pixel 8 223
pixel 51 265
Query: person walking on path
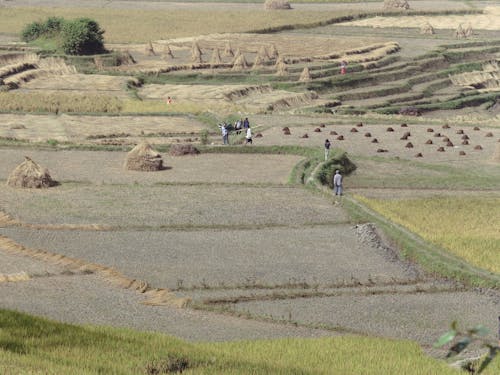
pixel 327 149
pixel 248 136
pixel 337 183
pixel 246 123
pixel 225 134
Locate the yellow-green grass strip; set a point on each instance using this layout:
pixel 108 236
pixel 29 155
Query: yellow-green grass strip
pixel 30 345
pixel 467 227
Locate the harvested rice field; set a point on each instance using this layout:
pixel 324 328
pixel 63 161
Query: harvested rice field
pixel 84 129
pixel 180 205
pixel 79 166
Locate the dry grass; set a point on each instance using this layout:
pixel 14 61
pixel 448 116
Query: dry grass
pixel 58 102
pixel 143 25
pixel 488 21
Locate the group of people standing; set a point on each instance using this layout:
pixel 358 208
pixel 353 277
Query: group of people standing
pixel 239 126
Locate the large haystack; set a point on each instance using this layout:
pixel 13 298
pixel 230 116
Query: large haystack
pixel 396 4
pixel 29 174
pixel 277 5
pixel 427 29
pixel 240 63
pixel 305 76
pixel 143 158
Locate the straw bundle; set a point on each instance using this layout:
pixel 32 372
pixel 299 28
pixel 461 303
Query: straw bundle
pixel 150 50
pixel 273 52
pixel 215 59
pixel 468 31
pixel 143 158
pixel 460 32
pixel 305 76
pixel 281 69
pixel 240 63
pixel 29 174
pixel 258 63
pixel 263 53
pixel 277 5
pixel 228 51
pixel 196 52
pixel 398 4
pixel 427 29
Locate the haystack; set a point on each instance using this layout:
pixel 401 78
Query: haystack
pixel 305 76
pixel 263 53
pixel 143 158
pixel 29 174
pixel 237 54
pixel 183 149
pixel 460 32
pixel 150 50
pixel 368 135
pixel 281 68
pixel 277 5
pixel 215 59
pixel 258 63
pixel 468 31
pixel 273 52
pixel 427 29
pixel 240 63
pixel 228 51
pixel 196 52
pixel 396 4
pixel 375 140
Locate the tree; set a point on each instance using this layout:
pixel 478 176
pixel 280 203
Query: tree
pixel 82 36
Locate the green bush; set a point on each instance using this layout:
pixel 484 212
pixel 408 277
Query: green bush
pixel 327 170
pixel 50 28
pixel 82 36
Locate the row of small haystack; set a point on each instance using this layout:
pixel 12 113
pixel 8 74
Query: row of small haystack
pixel 460 32
pixel 142 157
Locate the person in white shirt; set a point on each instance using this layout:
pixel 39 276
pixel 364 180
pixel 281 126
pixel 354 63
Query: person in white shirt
pixel 248 137
pixel 337 183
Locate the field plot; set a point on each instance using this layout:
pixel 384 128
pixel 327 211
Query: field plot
pixel 224 97
pixel 88 129
pixel 229 258
pixel 360 141
pixel 81 83
pixel 414 316
pixel 490 20
pixel 182 206
pixel 203 169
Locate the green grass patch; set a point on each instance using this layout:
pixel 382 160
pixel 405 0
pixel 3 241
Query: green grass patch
pixel 30 345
